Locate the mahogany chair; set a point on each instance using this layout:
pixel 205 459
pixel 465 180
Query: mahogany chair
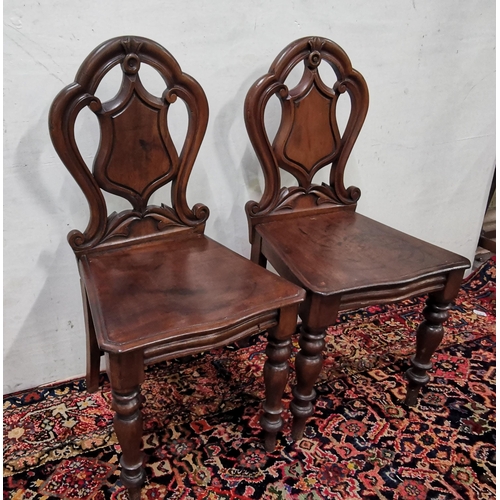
pixel 312 235
pixel 154 286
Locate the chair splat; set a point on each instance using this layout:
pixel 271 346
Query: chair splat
pixel 136 154
pixel 308 137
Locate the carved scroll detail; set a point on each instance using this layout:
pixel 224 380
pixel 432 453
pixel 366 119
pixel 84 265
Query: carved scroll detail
pixel 120 224
pixel 296 198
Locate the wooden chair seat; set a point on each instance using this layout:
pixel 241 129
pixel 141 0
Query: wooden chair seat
pixel 344 252
pixel 176 292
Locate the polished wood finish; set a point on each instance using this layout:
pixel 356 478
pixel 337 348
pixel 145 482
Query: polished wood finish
pixel 203 295
pixel 312 235
pixel 154 286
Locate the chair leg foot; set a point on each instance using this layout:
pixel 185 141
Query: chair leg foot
pixel 276 371
pixel 308 364
pixel 429 335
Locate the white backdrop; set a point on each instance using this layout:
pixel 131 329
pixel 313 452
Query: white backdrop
pixel 423 161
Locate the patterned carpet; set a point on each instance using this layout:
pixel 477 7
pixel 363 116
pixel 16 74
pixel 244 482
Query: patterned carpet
pixel 202 436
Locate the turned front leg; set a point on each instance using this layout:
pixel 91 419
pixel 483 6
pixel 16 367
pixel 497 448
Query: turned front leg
pixel 308 364
pixel 429 335
pixel 126 373
pixel 276 371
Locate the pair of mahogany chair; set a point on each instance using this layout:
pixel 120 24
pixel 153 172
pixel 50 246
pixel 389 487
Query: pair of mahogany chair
pixel 155 287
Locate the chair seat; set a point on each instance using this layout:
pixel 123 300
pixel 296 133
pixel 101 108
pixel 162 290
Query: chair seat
pixel 342 251
pixel 170 290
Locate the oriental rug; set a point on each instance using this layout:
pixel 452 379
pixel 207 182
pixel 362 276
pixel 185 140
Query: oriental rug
pixel 202 438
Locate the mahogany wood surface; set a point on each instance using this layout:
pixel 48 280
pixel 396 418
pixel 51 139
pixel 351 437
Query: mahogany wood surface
pixel 154 286
pixel 311 233
pixel 345 252
pixel 176 289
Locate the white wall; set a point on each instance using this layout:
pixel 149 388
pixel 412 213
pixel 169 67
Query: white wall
pixel 423 161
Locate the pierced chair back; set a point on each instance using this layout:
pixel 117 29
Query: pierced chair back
pixel 136 154
pixel 308 136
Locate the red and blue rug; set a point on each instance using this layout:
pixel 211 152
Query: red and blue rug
pixel 202 438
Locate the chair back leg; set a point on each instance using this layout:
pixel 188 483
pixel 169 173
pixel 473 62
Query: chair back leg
pixel 93 352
